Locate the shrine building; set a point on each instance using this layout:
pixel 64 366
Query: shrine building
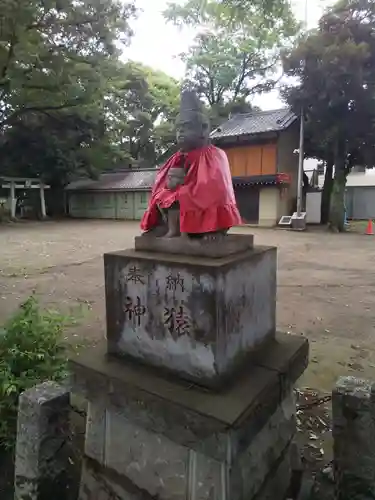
pixel 262 148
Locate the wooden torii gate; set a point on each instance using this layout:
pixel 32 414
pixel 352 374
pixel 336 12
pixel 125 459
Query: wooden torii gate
pixel 13 183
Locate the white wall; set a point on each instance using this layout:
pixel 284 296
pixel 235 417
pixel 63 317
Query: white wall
pixel 268 206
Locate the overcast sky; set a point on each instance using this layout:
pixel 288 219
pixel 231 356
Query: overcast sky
pixel 158 44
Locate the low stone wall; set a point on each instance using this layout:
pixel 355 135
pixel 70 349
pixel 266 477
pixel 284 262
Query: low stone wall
pixel 42 458
pixel 353 406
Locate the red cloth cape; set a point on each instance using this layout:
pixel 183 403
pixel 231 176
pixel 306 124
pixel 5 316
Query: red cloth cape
pixel 207 201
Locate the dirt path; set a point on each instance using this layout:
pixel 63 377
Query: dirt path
pixel 325 285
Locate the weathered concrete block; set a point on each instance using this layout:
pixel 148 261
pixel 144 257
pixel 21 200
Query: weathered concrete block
pixel 231 244
pixel 98 484
pixel 276 484
pixel 353 406
pixel 151 461
pixel 174 440
pixel 41 460
pixel 243 477
pixel 167 470
pixel 101 483
pixel 96 431
pixel 199 317
pixel 253 466
pixel 207 477
pixel 186 414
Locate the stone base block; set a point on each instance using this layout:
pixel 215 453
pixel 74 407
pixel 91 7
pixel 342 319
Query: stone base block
pixel 353 430
pixel 201 318
pixel 228 245
pixel 102 483
pixel 168 470
pixel 42 451
pixel 276 484
pixel 175 441
pixel 97 483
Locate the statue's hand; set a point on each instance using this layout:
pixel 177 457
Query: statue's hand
pixel 172 183
pixel 176 177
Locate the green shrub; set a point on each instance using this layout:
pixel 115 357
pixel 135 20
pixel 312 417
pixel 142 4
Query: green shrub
pixel 31 351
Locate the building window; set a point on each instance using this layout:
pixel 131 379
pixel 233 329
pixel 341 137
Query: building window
pixel 143 198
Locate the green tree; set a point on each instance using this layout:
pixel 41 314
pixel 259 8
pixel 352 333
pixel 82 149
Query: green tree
pixel 267 5
pixel 142 105
pixel 134 123
pixel 68 106
pixel 54 54
pixel 269 10
pixel 57 146
pixel 234 56
pixel 336 67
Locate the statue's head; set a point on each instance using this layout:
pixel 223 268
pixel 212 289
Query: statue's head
pixel 192 124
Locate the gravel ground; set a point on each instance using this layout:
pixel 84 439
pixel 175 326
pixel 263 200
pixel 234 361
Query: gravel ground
pixel 325 285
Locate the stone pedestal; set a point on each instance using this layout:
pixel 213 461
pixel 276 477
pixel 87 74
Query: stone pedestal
pixel 201 318
pixel 231 244
pixel 182 311
pixel 154 437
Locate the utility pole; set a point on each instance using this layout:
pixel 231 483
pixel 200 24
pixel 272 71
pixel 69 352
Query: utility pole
pixel 301 147
pixel 300 162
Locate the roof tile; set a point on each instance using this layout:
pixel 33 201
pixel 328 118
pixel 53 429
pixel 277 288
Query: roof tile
pixel 255 123
pixel 127 180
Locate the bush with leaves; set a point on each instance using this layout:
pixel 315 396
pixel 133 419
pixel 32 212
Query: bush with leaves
pixel 31 351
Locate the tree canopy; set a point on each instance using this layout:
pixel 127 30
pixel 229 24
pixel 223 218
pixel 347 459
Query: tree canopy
pixel 335 64
pixel 234 54
pixel 56 54
pixel 56 146
pixel 68 106
pixel 142 105
pixel 56 58
pixel 131 124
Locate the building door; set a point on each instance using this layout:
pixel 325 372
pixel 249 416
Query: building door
pixel 76 205
pixel 248 203
pixel 104 206
pixel 125 205
pixel 140 204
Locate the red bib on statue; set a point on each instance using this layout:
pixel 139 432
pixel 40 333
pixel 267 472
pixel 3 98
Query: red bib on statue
pixel 206 199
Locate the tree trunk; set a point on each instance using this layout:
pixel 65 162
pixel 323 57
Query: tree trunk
pixel 337 208
pixel 326 194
